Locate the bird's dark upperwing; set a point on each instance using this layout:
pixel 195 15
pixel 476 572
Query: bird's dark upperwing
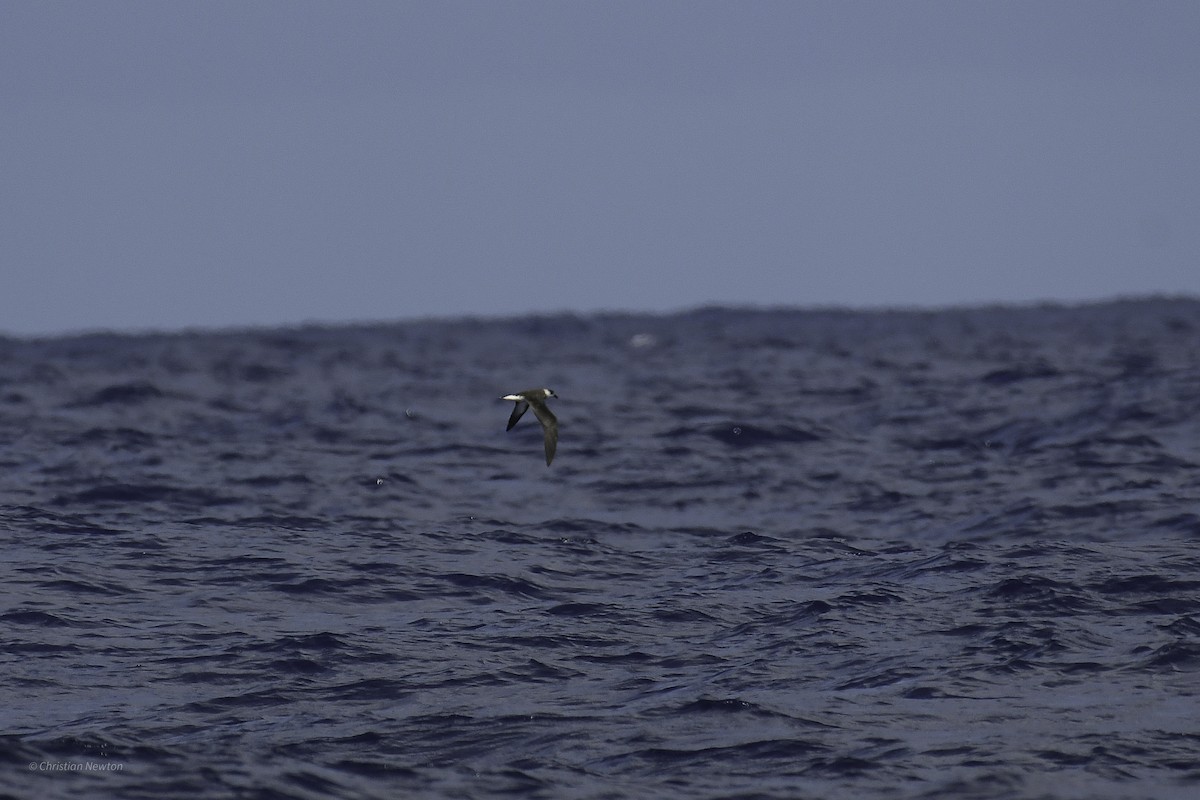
pixel 550 428
pixel 520 408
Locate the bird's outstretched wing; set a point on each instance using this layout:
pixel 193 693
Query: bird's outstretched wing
pixel 520 408
pixel 549 429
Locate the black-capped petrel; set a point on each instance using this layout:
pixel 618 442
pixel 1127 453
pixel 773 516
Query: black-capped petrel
pixel 536 399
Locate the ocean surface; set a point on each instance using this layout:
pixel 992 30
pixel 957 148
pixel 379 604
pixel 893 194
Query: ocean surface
pixel 780 554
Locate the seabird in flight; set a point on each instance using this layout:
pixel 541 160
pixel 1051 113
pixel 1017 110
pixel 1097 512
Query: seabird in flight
pixel 536 399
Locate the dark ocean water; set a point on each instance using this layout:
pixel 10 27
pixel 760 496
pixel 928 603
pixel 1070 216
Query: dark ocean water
pixel 780 554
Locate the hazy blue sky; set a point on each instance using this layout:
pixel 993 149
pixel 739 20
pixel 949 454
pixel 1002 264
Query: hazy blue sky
pixel 171 164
